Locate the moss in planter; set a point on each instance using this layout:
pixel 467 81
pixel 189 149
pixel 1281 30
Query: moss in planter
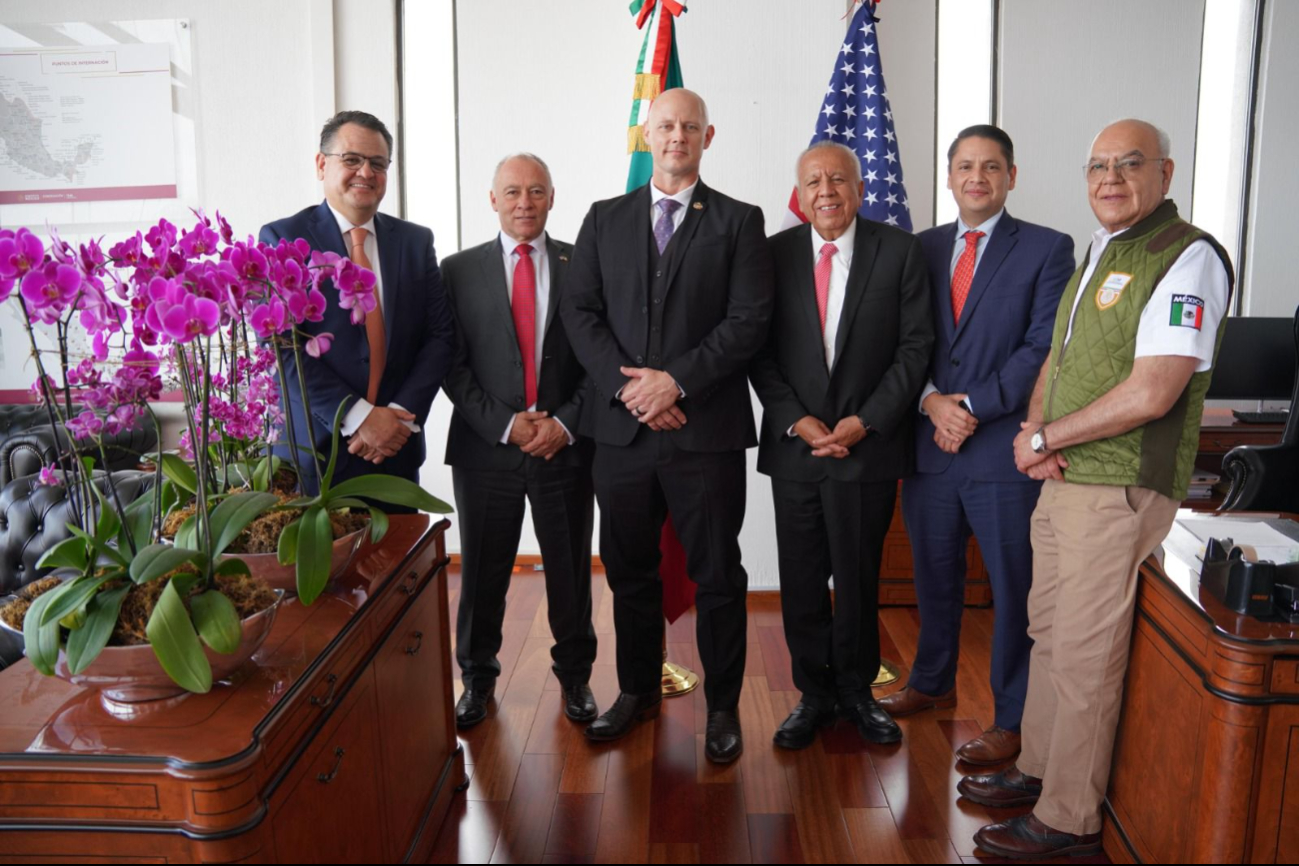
pixel 249 596
pixel 263 534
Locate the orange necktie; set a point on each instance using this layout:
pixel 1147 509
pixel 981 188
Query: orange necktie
pixel 963 276
pixel 373 319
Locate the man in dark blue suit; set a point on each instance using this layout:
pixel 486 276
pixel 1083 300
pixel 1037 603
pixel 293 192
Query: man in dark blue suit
pixel 996 282
pixel 389 370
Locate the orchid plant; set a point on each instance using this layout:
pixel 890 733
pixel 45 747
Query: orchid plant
pixel 217 316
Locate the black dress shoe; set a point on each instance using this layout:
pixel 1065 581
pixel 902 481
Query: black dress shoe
pixel 799 730
pixel 579 703
pixel 625 712
pixel 472 706
pixel 873 723
pixel 723 741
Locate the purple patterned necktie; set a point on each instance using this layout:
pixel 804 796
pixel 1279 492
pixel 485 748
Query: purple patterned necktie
pixel 665 226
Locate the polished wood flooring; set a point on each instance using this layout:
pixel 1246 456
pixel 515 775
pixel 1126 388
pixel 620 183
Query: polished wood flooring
pixel 539 792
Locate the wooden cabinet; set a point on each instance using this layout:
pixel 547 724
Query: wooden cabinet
pixel 335 744
pixel 1206 763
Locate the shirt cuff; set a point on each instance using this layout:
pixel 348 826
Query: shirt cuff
pixel 563 427
pixel 509 428
pixel 356 416
pixel 410 425
pixel 924 395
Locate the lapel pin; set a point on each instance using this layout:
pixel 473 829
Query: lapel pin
pixel 698 205
pixel 563 258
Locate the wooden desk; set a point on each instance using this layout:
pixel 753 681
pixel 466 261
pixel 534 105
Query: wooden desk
pixel 336 744
pixel 1206 765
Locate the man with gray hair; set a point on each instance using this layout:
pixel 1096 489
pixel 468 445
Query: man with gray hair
pixel 838 378
pixel 517 390
pixel 1113 427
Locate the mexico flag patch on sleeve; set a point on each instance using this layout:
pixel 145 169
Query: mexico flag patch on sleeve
pixel 1188 312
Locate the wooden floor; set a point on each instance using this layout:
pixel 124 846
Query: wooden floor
pixel 539 792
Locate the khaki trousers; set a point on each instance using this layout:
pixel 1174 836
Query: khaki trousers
pixel 1088 541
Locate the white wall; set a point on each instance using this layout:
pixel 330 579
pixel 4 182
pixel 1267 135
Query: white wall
pixel 1273 289
pixel 762 74
pixel 1068 69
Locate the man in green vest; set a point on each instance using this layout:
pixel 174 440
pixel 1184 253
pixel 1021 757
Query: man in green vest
pixel 1112 429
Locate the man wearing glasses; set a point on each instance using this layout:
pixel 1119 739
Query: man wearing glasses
pixel 389 369
pixel 1112 429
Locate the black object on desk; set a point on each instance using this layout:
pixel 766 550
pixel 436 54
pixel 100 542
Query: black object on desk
pixel 1249 587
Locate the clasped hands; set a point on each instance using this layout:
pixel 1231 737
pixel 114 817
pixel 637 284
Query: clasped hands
pixel 381 435
pixel 952 424
pixel 1039 467
pixel 830 443
pixel 651 397
pixel 538 435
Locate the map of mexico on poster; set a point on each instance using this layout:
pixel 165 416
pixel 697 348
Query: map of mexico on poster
pixel 86 124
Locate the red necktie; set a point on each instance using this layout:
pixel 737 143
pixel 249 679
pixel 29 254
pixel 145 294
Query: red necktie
pixel 963 276
pixel 822 274
pixel 524 308
pixel 373 319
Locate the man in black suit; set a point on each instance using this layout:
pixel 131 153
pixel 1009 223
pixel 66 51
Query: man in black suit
pixel 391 368
pixel 667 299
pixel 838 380
pixel 517 390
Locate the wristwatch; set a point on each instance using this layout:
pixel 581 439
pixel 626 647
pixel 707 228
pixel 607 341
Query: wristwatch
pixel 1038 442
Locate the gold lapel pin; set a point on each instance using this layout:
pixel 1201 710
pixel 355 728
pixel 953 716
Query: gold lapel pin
pixel 699 205
pixel 563 258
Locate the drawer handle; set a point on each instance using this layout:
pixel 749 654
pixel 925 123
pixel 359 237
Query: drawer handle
pixel 329 777
pixel 409 588
pixel 328 699
pixel 419 641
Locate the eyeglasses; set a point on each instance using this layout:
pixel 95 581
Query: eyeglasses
pixel 354 161
pixel 1096 170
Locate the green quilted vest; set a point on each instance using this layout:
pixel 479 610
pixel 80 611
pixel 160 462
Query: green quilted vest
pixel 1100 353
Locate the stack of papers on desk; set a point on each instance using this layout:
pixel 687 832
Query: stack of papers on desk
pixel 1202 482
pixel 1266 542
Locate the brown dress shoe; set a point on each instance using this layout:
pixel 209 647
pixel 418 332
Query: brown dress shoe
pixel 994 746
pixel 1026 838
pixel 1010 787
pixel 909 701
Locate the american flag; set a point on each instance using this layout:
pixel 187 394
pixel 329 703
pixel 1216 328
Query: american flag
pixel 855 112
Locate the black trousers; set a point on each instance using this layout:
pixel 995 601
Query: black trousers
pixel 490 506
pixel 637 485
pixel 824 529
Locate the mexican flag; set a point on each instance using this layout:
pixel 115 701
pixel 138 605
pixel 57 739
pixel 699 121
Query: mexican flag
pixel 658 69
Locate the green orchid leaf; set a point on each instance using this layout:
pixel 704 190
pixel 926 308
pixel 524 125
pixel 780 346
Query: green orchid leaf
pixel 68 553
pixel 333 449
pixel 315 546
pixel 378 525
pixel 187 535
pixel 99 547
pixel 230 566
pixel 176 644
pixel 106 528
pixel 395 491
pixel 170 496
pixel 345 502
pixel 237 511
pixel 302 502
pixel 178 470
pixel 138 522
pixel 86 643
pixel 42 641
pixel 157 560
pixel 265 472
pixel 286 552
pixel 217 621
pixel 72 596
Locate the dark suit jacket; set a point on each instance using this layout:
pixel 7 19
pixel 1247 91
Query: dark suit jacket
pixel 881 353
pixel 716 294
pixel 996 352
pixel 486 380
pixel 420 337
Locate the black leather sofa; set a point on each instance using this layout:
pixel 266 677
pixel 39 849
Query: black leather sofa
pixel 28 443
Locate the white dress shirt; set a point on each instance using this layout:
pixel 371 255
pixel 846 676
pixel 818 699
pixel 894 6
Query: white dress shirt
pixel 682 198
pixel 360 410
pixel 840 262
pixel 958 247
pixel 541 267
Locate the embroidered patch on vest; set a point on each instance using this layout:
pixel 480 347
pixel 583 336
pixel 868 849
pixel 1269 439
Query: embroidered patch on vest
pixel 1112 289
pixel 1187 312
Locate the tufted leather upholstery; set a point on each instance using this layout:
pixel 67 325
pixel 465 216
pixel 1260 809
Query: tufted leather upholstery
pixel 33 518
pixel 28 442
